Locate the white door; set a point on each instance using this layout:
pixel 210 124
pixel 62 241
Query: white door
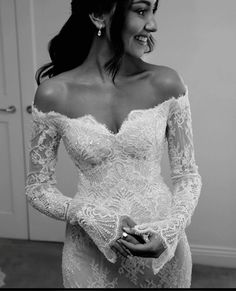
pixel 13 211
pixel 38 21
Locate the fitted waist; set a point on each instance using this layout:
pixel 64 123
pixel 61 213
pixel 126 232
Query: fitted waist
pixel 139 198
pixel 120 169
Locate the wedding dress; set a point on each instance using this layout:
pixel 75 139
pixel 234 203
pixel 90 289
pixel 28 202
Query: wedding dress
pixel 119 174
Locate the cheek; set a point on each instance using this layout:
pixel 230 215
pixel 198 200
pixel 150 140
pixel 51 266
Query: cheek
pixel 132 27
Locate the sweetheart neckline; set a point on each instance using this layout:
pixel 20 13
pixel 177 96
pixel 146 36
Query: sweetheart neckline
pixel 88 115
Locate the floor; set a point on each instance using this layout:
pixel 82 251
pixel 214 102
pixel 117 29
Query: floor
pixel 34 264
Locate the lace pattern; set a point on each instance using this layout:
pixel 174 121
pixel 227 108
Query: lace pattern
pixel 118 174
pixel 43 194
pixel 81 270
pixel 185 178
pixel 41 179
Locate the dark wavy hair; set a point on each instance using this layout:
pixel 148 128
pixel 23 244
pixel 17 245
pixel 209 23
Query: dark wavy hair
pixel 70 47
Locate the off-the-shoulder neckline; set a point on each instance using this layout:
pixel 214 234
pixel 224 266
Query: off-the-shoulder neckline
pixel 53 113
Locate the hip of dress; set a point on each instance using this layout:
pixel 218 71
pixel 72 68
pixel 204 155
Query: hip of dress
pixel 85 266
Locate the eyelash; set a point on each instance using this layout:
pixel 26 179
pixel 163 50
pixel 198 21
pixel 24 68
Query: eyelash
pixel 144 11
pixel 141 10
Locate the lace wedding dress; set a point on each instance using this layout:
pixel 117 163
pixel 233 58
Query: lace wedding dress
pixel 119 174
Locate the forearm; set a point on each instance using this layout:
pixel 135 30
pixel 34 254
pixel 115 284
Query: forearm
pixel 186 193
pixel 47 199
pixel 100 224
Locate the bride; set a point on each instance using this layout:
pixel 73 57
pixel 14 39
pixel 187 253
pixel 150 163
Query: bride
pixel 115 113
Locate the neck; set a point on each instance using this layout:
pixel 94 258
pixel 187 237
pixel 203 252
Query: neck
pixel 99 54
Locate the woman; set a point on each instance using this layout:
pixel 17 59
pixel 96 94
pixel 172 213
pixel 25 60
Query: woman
pixel 114 113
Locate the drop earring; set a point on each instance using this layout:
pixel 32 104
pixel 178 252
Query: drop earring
pixel 100 31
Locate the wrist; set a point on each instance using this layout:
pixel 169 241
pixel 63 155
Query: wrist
pixel 72 212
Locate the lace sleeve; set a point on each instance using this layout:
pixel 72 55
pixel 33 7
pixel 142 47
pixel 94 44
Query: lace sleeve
pixel 40 188
pixel 42 193
pixel 185 179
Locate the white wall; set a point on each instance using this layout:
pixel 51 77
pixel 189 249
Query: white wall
pixel 198 39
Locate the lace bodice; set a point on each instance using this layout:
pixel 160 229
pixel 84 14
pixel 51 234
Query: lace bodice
pixel 119 174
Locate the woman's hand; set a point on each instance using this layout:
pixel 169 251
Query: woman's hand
pixel 126 222
pixel 153 248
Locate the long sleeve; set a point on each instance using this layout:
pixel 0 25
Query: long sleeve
pixel 42 193
pixel 185 179
pixel 40 188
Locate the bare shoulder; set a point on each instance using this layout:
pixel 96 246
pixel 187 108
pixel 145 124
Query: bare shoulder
pixel 51 95
pixel 166 82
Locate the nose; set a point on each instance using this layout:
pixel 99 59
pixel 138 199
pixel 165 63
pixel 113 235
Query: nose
pixel 151 25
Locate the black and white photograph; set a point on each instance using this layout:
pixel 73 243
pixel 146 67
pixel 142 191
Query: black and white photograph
pixel 117 144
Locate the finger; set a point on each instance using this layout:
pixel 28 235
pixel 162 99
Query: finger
pixel 137 236
pixel 142 250
pixel 135 239
pixel 124 248
pixel 140 238
pixel 131 239
pixel 119 249
pixel 130 222
pixel 127 221
pixel 129 230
